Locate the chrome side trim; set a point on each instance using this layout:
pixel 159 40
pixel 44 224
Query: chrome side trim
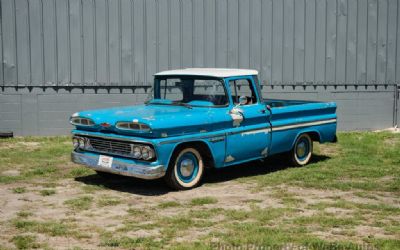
pixel 299 125
pixel 254 131
pixel 120 167
pixel 217 139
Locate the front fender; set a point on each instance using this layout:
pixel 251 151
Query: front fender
pixel 215 147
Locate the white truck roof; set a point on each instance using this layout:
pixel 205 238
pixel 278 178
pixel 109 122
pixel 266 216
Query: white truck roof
pixel 215 72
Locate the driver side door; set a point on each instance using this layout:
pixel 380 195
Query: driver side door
pixel 249 138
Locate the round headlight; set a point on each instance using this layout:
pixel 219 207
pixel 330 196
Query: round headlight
pixel 81 143
pixel 75 142
pixel 137 152
pixel 147 153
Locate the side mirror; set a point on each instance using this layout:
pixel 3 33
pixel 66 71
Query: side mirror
pixel 242 100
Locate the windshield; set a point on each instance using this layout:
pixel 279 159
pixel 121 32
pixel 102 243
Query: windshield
pixel 188 91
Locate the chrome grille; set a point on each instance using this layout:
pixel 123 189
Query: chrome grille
pixel 109 146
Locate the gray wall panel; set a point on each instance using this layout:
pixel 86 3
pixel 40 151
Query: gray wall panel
pixel 320 41
pixel 362 25
pixel 44 112
pixel 36 42
pixel 351 46
pixel 23 38
pixel 50 43
pixel 309 36
pixel 63 42
pixel 391 43
pixel 9 44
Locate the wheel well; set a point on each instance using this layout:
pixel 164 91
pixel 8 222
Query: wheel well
pixel 314 136
pixel 203 149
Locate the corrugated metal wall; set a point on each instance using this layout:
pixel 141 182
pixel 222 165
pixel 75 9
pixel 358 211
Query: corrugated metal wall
pixel 346 51
pixel 124 42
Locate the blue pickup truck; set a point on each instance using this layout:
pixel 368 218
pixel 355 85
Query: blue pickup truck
pixel 195 119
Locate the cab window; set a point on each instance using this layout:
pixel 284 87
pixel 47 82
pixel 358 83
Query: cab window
pixel 242 87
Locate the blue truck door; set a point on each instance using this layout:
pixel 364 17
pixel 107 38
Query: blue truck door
pixel 248 137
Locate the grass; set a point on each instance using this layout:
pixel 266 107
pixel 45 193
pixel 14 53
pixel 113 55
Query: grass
pixel 203 201
pixel 350 185
pixel 360 161
pixel 47 192
pixel 50 228
pixel 108 201
pixel 25 242
pixel 19 190
pixel 80 203
pixel 169 204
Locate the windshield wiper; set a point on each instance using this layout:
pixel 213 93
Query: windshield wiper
pixel 182 104
pixel 175 103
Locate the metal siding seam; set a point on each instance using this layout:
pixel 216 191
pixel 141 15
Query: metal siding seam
pixel 94 43
pixel 336 40
pixel 120 42
pixel 180 33
pixel 69 41
pixel 271 40
pixel 133 43
pixel 42 39
pixel 377 40
pixel 356 77
pixel 82 42
pixel 2 46
pixel 29 44
pixel 283 41
pixel 56 43
pixel 326 34
pixel 15 47
pixel 107 43
pixel 366 45
pixel 193 42
pixel 397 41
pixel 315 39
pixel 347 33
pixel 387 38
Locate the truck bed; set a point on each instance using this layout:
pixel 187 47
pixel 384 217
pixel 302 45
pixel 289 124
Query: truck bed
pixel 275 103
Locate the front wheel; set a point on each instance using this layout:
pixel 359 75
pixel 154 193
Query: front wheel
pixel 185 170
pixel 301 153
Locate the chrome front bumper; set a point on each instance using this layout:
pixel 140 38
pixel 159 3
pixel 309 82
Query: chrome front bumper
pixel 120 167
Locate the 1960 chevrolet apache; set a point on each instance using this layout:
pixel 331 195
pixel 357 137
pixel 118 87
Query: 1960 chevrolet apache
pixel 198 118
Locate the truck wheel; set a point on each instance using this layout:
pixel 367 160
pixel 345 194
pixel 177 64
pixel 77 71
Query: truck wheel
pixel 185 170
pixel 301 153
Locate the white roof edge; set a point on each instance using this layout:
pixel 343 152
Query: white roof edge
pixel 215 72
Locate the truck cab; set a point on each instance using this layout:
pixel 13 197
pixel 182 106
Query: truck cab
pixel 197 118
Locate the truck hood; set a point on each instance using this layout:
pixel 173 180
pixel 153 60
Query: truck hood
pixel 164 120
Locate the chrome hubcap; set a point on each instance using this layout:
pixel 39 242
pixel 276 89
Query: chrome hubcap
pixel 187 167
pixel 301 149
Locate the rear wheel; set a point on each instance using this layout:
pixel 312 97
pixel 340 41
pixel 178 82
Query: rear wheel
pixel 185 170
pixel 301 153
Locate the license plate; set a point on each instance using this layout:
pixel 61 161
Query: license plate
pixel 105 161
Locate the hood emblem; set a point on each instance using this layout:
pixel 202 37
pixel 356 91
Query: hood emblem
pixel 105 125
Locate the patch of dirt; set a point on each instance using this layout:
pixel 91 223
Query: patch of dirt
pixel 372 232
pixel 339 212
pixel 142 196
pixel 330 150
pixel 11 173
